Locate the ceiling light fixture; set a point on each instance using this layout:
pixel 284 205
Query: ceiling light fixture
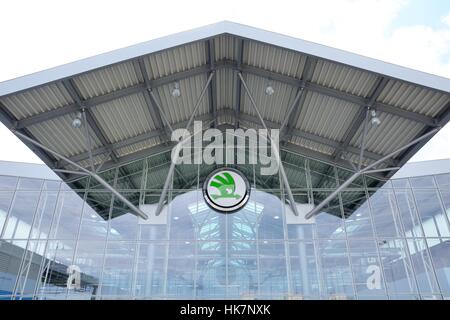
pixel 77 121
pixel 375 121
pixel 269 89
pixel 176 92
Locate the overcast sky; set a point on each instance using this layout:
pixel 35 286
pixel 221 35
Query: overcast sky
pixel 36 35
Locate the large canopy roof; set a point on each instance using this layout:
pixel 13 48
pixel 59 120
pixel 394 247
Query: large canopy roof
pixel 324 123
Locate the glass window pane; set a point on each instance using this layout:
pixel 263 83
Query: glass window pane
pixel 151 270
pixel 384 213
pixel 118 272
pixel 401 183
pixel 68 214
pixel 304 272
pixel 431 215
pixel 396 267
pixel 9 267
pixel 443 180
pixel 180 272
pixel 94 226
pixel 8 183
pixel 445 196
pixel 440 255
pixel 408 213
pixel 18 225
pixel 89 260
pixel 44 215
pixel 30 184
pixel 359 222
pixel 5 202
pixel 421 263
pixel 422 182
pixel 335 268
pixel 53 280
pixel 272 270
pixel 366 267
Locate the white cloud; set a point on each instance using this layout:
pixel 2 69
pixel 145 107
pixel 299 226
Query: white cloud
pixel 446 19
pixel 42 34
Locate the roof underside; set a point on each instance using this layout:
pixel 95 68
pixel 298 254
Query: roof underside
pixel 325 123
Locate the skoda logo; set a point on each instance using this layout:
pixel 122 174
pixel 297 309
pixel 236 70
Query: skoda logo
pixel 226 190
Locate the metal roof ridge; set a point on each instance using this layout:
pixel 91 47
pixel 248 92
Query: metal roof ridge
pixel 224 27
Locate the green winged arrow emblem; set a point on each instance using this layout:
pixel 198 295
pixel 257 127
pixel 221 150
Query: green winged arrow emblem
pixel 225 184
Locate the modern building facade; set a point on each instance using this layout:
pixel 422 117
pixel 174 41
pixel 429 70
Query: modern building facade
pixel 400 232
pixel 116 218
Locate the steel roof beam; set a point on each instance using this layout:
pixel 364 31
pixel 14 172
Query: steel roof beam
pixel 94 101
pixel 212 92
pixel 139 68
pixel 290 147
pixel 91 102
pixel 312 137
pixel 93 123
pixel 90 118
pixel 341 95
pixel 359 117
pixel 291 122
pixel 237 82
pixel 132 140
pixel 241 117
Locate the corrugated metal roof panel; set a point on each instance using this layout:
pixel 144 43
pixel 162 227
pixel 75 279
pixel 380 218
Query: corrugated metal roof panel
pixel 105 80
pixel 326 116
pixel 38 100
pixel 175 60
pixel 124 117
pixel 178 109
pixel 138 146
pixel 86 163
pixel 312 145
pixel 413 98
pixel 59 135
pixel 273 59
pixel 225 47
pixel 225 88
pixel 392 133
pixel 272 108
pixel 344 78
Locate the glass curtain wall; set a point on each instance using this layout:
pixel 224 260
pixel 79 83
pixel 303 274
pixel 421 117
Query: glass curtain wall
pixel 371 242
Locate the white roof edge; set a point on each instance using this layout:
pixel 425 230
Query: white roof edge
pixel 423 168
pixel 27 170
pixel 299 45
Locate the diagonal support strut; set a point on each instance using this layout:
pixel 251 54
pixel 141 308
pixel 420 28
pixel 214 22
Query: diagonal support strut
pixel 94 175
pixel 273 146
pixel 367 169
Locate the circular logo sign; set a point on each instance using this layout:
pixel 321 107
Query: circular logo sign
pixel 226 190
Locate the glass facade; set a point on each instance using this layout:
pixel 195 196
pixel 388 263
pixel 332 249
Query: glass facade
pixel 376 240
